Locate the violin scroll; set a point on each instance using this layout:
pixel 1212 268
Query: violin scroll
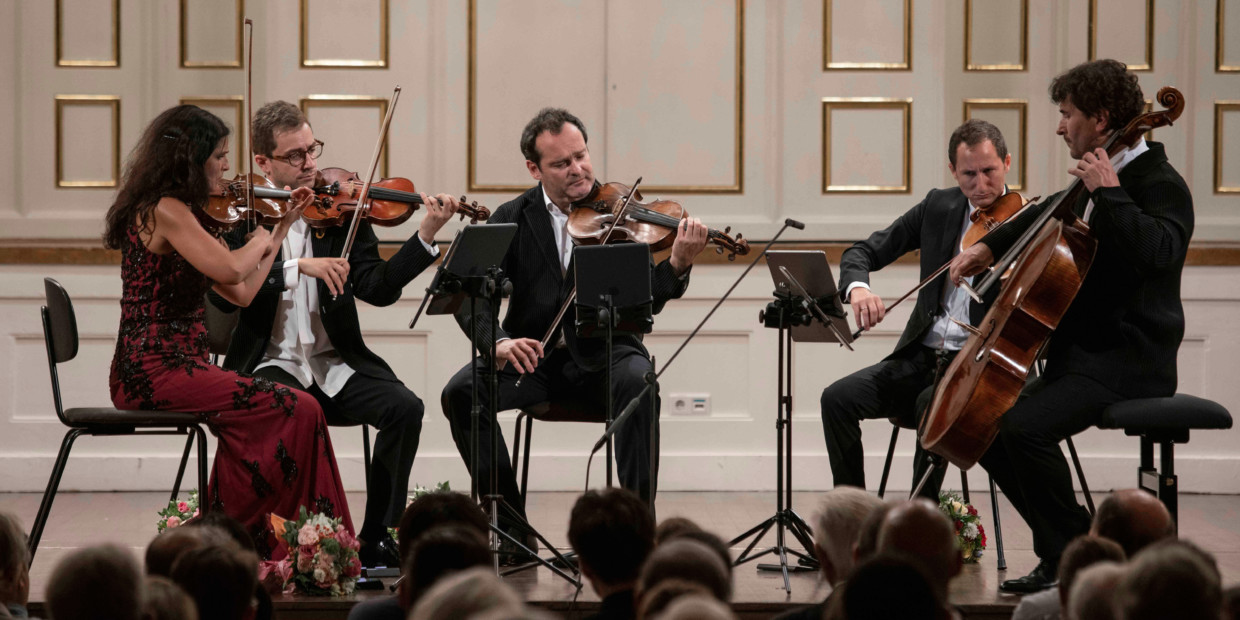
pixel 474 210
pixel 734 246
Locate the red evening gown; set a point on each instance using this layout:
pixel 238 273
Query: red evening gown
pixel 273 453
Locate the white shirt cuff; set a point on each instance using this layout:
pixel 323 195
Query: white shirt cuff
pixel 848 291
pixel 432 248
pixel 292 274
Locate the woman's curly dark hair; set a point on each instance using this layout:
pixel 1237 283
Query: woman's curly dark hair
pixel 1101 85
pixel 168 161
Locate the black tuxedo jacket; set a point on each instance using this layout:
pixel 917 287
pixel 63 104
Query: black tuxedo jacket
pixel 371 279
pixel 933 226
pixel 532 264
pixel 1125 326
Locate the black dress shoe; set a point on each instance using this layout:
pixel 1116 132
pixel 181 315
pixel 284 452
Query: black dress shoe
pixel 1042 578
pixel 385 552
pixel 512 555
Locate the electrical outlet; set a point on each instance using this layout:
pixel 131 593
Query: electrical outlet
pixel 690 404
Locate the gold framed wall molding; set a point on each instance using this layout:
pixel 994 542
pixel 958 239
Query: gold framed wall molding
pixel 310 102
pixel 1221 108
pixel 351 63
pixel 905 106
pixel 831 64
pixel 1022 107
pixel 110 101
pixel 1020 65
pixel 471 172
pixel 236 102
pixel 114 62
pixel 1220 37
pixel 1148 65
pixel 187 63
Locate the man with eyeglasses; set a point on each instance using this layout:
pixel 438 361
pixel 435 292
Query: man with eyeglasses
pixel 302 329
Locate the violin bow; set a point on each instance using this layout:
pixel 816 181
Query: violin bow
pixel 249 129
pixel 364 206
pixel 572 294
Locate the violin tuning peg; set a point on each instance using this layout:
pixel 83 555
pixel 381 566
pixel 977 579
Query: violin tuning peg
pixel 727 230
pixel 732 256
pixel 718 250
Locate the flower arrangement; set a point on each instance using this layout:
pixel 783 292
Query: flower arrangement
pixel 969 531
pixel 178 512
pixel 322 555
pixel 419 491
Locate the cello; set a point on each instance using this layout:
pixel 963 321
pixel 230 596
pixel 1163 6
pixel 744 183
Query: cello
pixel 1049 263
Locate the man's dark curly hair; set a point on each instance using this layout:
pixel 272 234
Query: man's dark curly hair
pixel 1101 85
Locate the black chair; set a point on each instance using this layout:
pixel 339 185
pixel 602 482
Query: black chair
pixel 559 411
pixel 61 336
pixel 220 326
pixel 1164 421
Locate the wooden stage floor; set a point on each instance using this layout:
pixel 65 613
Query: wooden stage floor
pixel 80 519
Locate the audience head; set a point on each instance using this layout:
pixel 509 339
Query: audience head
pixel 838 526
pixel 1134 519
pixel 100 583
pixel 920 531
pixel 671 526
pixel 1231 603
pixel 867 538
pixel 714 542
pixel 438 552
pixel 690 560
pixel 471 592
pixel 1080 554
pixel 653 602
pixel 612 532
pixel 887 586
pixel 165 548
pixel 1170 579
pixel 165 600
pixel 697 607
pixel 221 578
pixel 14 560
pixel 1092 596
pixel 438 508
pixel 217 525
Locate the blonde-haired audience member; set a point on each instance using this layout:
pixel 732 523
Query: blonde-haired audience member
pixel 697 607
pixel 165 600
pixel 96 583
pixel 466 594
pixel 1170 579
pixel 652 602
pixel 689 560
pixel 1084 551
pixel 1092 597
pixel 14 562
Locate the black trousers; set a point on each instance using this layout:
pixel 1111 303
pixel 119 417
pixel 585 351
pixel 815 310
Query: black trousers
pixel 397 413
pixel 1027 463
pixel 558 378
pixel 898 387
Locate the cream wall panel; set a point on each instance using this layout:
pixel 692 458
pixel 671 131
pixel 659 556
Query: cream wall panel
pixel 88 33
pixel 344 33
pixel 1227 147
pixel 1227 36
pixel 211 35
pixel 867 35
pixel 1123 30
pixel 996 37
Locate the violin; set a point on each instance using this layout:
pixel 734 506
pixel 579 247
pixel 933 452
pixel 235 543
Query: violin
pixel 592 221
pixel 390 201
pixel 988 219
pixel 228 203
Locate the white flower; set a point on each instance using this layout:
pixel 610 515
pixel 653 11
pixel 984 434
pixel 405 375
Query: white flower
pixel 957 507
pixel 969 532
pixel 319 575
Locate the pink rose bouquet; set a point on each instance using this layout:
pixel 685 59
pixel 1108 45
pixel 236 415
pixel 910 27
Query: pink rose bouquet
pixel 178 512
pixel 322 555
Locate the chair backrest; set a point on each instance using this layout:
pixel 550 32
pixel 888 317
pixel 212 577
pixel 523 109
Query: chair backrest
pixel 61 328
pixel 220 326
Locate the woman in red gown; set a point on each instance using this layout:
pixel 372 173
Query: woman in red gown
pixel 273 453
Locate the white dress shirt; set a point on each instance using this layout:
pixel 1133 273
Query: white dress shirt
pixel 1121 159
pixel 559 225
pixel 299 344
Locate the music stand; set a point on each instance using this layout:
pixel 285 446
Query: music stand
pixel 806 309
pixel 471 272
pixel 613 295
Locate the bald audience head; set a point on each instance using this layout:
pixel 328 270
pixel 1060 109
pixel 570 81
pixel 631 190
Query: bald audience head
pixel 917 529
pixel 1134 519
pixel 1092 596
pixel 838 526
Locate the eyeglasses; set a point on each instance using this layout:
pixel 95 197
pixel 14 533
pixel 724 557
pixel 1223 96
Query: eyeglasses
pixel 298 157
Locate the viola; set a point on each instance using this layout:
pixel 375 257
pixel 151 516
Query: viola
pixel 390 201
pixel 593 220
pixel 990 218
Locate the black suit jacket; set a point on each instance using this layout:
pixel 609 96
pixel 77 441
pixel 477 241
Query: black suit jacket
pixel 933 226
pixel 532 264
pixel 371 279
pixel 1125 326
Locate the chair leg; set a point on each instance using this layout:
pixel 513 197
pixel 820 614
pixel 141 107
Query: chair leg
pixel 525 460
pixel 53 483
pixel 964 486
pixel 994 508
pixel 189 444
pixel 516 439
pixel 204 500
pixel 1168 484
pixel 1080 475
pixel 891 450
pixel 366 451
